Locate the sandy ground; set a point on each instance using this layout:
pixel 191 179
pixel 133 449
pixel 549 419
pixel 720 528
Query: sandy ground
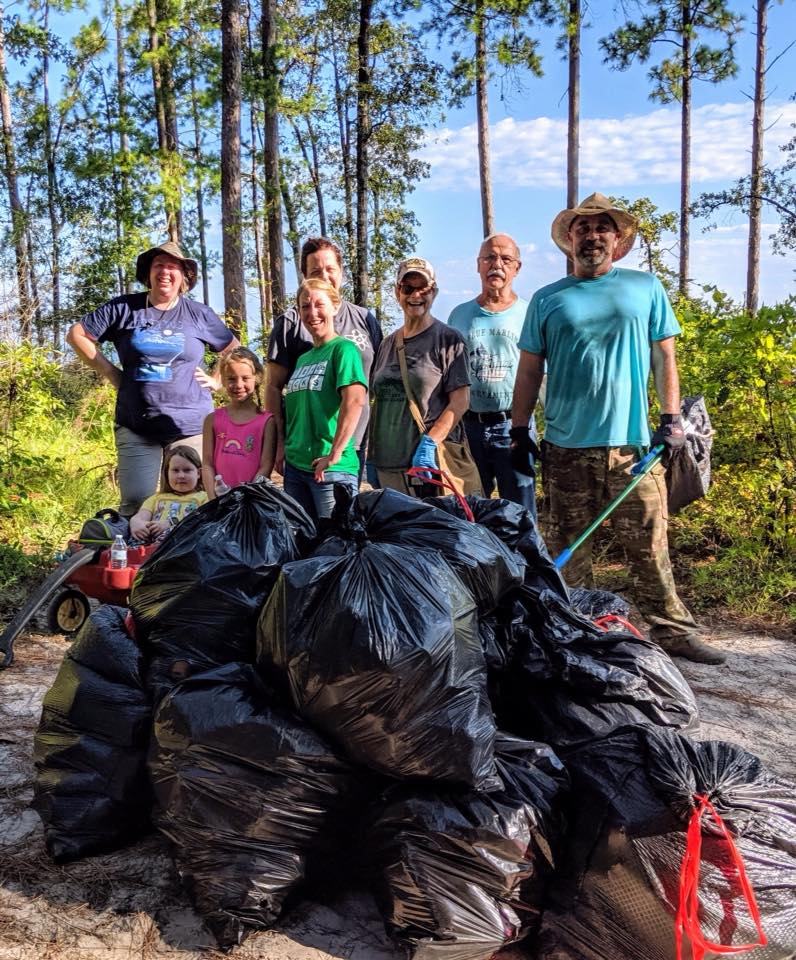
pixel 129 904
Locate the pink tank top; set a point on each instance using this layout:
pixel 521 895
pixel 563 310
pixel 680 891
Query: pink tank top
pixel 239 446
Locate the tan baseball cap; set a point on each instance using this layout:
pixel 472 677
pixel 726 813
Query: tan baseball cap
pixel 416 265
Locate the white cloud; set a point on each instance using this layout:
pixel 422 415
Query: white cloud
pixel 615 152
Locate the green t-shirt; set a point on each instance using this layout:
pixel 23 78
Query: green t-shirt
pixel 312 404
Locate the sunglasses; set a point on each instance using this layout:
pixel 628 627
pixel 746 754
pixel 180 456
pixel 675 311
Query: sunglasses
pixel 408 288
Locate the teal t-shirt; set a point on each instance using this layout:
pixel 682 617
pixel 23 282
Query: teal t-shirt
pixel 493 351
pixel 596 335
pixel 312 404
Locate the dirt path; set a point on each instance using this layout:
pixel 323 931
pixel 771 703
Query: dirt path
pixel 129 904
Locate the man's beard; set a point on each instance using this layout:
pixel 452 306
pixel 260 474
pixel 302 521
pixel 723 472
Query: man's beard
pixel 592 256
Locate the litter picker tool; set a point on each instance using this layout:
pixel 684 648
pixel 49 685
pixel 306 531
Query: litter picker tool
pixel 639 471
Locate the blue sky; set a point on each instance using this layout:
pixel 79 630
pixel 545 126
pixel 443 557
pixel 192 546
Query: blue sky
pixel 630 146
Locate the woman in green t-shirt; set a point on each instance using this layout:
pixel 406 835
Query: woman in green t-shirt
pixel 324 398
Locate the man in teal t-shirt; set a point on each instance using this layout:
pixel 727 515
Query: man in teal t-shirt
pixel 599 332
pixel 491 325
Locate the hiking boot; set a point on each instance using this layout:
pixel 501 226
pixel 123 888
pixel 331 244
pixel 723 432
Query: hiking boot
pixel 690 647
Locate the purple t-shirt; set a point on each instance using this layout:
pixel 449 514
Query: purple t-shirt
pixel 159 350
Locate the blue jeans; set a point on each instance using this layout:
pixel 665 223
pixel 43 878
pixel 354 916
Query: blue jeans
pixel 490 445
pixel 316 498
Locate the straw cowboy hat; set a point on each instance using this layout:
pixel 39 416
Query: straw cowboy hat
pixel 144 263
pixel 596 203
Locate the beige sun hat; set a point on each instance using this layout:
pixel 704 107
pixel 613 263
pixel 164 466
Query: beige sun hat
pixel 596 203
pixel 144 263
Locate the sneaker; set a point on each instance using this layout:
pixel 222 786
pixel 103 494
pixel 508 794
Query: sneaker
pixel 691 647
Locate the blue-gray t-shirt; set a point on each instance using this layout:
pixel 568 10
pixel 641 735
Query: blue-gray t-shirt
pixel 596 335
pixel 492 347
pixel 159 350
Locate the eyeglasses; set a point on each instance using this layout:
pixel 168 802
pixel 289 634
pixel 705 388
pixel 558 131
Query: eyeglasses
pixel 407 289
pixel 492 259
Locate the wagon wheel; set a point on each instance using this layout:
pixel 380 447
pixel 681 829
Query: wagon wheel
pixel 67 612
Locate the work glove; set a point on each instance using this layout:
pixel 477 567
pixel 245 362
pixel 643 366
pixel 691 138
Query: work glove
pixel 670 433
pixel 523 451
pixel 426 453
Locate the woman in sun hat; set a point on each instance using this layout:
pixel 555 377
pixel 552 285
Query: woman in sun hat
pixel 163 393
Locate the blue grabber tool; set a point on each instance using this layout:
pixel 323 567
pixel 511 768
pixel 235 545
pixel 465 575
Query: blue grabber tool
pixel 640 470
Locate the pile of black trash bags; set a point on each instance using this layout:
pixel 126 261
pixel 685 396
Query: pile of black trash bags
pixel 413 702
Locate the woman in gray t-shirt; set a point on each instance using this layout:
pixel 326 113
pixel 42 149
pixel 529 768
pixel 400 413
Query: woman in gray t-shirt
pixel 439 379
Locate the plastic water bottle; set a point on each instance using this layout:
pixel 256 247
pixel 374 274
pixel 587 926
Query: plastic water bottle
pixel 118 553
pixel 220 486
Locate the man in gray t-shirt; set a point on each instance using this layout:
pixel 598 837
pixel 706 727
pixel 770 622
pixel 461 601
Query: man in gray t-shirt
pixel 322 259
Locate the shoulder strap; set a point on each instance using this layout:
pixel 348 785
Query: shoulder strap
pixel 413 408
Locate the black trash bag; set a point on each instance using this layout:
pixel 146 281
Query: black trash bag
pixel 617 892
pixel 464 873
pixel 246 792
pixel 513 525
pixel 486 567
pixel 378 649
pixel 688 470
pixel 593 604
pixel 570 682
pixel 89 750
pixel 195 601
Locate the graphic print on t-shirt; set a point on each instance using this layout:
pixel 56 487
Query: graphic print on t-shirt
pixel 309 377
pixel 157 350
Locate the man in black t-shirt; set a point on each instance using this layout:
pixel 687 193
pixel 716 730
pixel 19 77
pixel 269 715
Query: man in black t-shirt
pixel 321 259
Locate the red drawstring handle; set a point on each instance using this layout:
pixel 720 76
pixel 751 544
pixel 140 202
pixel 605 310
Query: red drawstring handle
pixel 687 920
pixel 604 624
pixel 424 474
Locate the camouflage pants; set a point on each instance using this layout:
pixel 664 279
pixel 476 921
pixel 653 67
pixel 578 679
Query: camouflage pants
pixel 578 483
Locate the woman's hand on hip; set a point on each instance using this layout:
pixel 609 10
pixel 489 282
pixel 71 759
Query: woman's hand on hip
pixel 206 380
pixel 322 464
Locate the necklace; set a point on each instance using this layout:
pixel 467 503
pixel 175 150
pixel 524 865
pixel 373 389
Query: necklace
pixel 169 306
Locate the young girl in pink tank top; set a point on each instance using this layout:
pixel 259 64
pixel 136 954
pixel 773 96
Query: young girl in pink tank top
pixel 239 439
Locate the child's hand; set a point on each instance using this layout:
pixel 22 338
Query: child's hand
pixel 139 529
pixel 158 529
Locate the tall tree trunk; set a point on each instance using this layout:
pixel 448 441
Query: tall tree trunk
pixel 17 213
pixel 199 197
pixel 341 105
pixel 117 188
pixel 173 159
pixel 292 226
pixel 378 263
pixel 756 203
pixel 363 136
pixel 232 234
pixel 125 280
pixel 273 188
pixel 52 186
pixel 256 213
pixel 685 155
pixel 573 111
pixel 310 158
pixel 172 225
pixel 482 108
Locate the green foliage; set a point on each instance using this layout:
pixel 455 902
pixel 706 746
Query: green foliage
pixel 56 458
pixel 742 537
pixel 651 228
pixel 669 22
pixel 777 189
